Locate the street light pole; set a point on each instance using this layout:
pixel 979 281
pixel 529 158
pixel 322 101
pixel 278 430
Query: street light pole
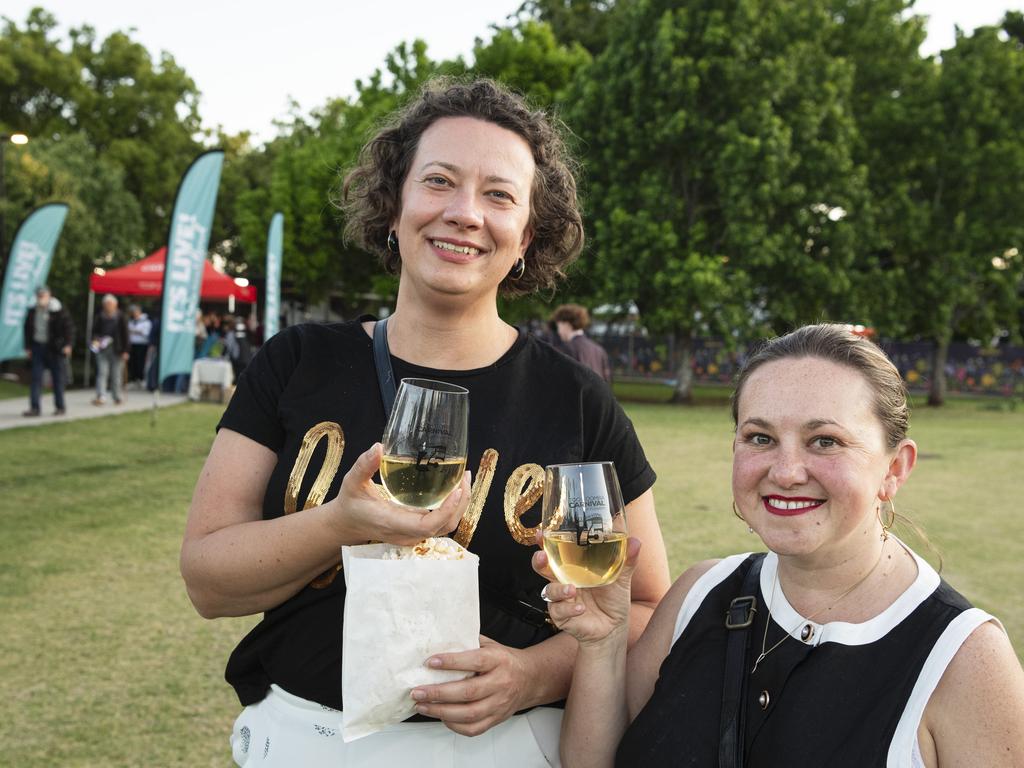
pixel 14 138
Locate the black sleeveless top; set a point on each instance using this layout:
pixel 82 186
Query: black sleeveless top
pixel 836 699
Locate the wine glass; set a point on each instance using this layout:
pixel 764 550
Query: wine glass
pixel 425 442
pixel 584 523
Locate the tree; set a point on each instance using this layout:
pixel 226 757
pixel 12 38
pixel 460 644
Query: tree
pixel 893 103
pixel 40 85
pixel 582 22
pixel 964 276
pixel 140 115
pixel 721 190
pixel 104 224
pixel 529 58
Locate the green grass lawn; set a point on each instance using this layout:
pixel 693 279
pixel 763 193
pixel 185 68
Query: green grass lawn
pixel 103 662
pixel 9 389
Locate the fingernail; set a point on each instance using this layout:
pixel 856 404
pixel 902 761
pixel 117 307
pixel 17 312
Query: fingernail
pixel 419 695
pixel 578 608
pixel 434 662
pixel 457 495
pixel 423 710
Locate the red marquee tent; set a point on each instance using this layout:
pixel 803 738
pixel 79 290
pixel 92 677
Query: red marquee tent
pixel 146 278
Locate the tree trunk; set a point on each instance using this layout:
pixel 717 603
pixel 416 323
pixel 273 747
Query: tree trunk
pixel 937 388
pixel 683 393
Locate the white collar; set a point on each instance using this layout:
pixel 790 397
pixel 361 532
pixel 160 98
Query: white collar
pixel 844 632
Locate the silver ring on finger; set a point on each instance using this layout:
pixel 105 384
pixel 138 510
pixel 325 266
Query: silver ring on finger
pixel 544 594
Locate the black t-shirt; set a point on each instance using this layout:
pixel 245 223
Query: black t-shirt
pixel 312 385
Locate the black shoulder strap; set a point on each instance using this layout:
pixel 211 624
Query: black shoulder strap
pixel 382 361
pixel 738 620
pixel 520 609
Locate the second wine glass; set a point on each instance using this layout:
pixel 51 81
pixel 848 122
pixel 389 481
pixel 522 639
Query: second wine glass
pixel 584 523
pixel 425 442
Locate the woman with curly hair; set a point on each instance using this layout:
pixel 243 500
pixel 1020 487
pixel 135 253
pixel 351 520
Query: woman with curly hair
pixel 465 194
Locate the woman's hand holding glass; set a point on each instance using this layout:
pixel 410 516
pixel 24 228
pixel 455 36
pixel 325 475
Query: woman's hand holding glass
pixel 366 512
pixel 422 462
pixel 589 614
pixel 583 537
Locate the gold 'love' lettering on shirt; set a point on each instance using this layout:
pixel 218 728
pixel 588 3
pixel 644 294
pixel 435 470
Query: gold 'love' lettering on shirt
pixel 523 489
pixel 335 436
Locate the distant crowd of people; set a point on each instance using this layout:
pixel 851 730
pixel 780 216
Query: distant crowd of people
pixel 125 345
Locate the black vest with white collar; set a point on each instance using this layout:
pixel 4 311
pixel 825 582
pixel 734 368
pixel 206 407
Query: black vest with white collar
pixel 835 694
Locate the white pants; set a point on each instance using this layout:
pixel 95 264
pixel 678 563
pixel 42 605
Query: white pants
pixel 286 731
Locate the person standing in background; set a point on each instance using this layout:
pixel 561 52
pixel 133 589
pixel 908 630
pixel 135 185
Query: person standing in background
pixel 570 321
pixel 48 335
pixel 110 343
pixel 139 326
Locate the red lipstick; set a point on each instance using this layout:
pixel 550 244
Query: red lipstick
pixel 781 505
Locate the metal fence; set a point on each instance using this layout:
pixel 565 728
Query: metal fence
pixel 969 368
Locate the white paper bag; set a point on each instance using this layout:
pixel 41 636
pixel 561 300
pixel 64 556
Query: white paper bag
pixel 398 613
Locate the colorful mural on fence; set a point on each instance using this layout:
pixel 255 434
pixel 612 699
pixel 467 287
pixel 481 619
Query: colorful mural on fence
pixel 969 369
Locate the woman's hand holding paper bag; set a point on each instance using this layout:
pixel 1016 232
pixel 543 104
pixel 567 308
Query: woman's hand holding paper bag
pixel 403 606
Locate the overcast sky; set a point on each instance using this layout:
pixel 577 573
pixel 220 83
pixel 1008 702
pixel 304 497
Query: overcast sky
pixel 249 59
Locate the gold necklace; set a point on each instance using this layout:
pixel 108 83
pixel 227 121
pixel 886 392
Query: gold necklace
pixel 785 637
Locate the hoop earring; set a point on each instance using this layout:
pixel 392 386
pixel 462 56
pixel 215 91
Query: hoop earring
pixel 392 242
pixel 886 524
pixel 518 269
pixel 737 513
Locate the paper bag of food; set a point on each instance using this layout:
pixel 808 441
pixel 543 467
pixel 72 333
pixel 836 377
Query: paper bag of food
pixel 403 604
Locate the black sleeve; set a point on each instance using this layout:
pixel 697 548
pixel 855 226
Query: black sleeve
pixel 609 436
pixel 69 329
pixel 27 335
pixel 122 331
pixel 253 409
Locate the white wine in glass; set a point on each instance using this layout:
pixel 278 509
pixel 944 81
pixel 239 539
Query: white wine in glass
pixel 425 442
pixel 584 523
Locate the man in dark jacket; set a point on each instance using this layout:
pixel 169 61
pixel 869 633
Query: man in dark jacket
pixel 110 343
pixel 570 321
pixel 48 335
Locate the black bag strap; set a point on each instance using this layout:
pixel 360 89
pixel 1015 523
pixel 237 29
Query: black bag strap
pixel 382 361
pixel 738 620
pixel 520 609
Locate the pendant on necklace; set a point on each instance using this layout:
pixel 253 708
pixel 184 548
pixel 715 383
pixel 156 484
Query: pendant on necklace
pixel 757 661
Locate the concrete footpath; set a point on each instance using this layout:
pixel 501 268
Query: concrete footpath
pixel 79 406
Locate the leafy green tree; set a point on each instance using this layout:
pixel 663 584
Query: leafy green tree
pixel 963 278
pixel 529 58
pixel 104 223
pixel 893 104
pixel 583 22
pixel 722 194
pixel 40 85
pixel 140 115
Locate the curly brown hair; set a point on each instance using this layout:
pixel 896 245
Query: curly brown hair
pixel 372 190
pixel 575 315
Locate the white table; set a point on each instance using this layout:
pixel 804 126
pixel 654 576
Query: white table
pixel 210 370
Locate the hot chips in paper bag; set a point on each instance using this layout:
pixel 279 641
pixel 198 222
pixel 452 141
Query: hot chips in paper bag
pixel 403 604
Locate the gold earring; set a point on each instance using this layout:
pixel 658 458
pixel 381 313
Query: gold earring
pixel 737 513
pixel 887 524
